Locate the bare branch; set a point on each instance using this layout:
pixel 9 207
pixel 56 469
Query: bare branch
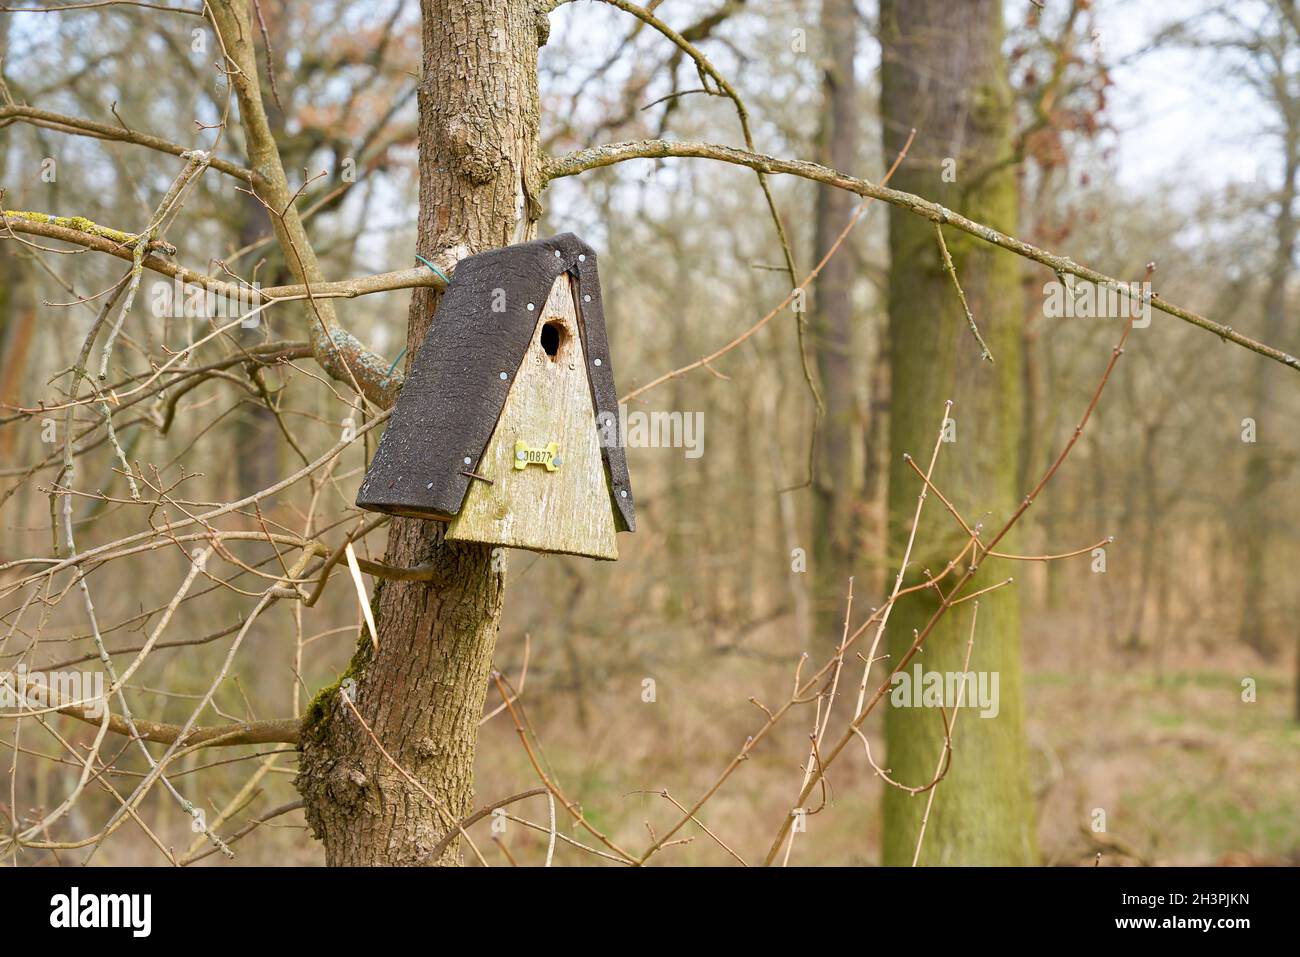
pixel 282 731
pixel 77 126
pixel 598 156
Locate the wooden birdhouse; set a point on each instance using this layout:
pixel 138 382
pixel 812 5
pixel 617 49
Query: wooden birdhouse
pixel 507 426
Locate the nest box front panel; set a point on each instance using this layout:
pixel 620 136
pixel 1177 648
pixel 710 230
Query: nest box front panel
pixel 541 482
pixel 508 334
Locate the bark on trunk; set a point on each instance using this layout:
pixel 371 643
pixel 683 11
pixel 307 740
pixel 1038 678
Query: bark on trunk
pixel 944 74
pixel 422 692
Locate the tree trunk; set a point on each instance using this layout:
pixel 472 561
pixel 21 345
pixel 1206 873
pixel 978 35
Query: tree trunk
pixel 256 433
pixel 17 315
pixel 944 74
pixel 422 692
pixel 835 512
pixel 1262 593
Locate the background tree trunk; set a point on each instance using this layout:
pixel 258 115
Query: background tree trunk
pixel 256 433
pixel 835 500
pixel 1261 609
pixel 422 692
pixel 943 73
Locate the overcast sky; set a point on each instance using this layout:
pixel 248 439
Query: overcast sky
pixel 1182 117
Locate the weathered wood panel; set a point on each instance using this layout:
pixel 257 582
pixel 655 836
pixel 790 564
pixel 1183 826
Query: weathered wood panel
pixel 564 510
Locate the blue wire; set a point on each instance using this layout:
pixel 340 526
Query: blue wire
pixel 436 271
pixel 441 275
pixel 394 365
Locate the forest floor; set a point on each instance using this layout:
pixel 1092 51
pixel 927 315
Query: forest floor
pixel 1186 771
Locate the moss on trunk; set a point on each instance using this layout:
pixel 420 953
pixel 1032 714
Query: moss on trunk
pixel 944 74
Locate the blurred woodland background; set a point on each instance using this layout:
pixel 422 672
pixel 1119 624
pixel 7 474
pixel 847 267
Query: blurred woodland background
pixel 1138 136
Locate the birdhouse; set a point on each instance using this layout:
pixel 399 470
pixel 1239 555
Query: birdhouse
pixel 507 426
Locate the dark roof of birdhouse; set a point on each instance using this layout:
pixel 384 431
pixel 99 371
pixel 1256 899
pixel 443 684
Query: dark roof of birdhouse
pixel 459 380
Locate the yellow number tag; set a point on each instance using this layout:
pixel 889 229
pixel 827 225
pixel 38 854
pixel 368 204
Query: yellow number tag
pixel 526 456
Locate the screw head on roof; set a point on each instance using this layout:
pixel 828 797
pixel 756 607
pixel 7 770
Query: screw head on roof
pixel 597 362
pixel 530 307
pixel 582 257
pixel 505 375
pixel 586 299
pixel 467 460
